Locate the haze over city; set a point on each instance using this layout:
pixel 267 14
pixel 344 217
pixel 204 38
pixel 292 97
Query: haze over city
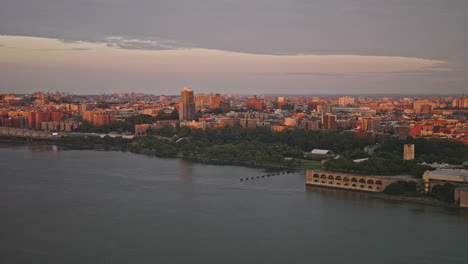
pixel 249 47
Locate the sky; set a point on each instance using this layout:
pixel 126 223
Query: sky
pixel 226 46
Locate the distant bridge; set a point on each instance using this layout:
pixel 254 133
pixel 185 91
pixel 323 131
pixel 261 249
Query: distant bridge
pixel 27 133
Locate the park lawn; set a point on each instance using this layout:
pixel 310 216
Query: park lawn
pixel 310 164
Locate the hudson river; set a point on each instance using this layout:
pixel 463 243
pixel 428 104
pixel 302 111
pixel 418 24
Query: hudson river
pixel 118 207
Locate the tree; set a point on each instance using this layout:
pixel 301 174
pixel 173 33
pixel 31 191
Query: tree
pixel 444 193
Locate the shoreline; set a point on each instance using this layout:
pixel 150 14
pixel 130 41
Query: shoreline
pixel 396 198
pixel 10 140
pixel 419 200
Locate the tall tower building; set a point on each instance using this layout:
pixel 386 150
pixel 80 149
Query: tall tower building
pixel 187 105
pixel 329 122
pixel 408 152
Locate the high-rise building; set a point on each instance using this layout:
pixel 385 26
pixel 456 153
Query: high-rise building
pixel 426 109
pixel 216 101
pixel 345 101
pixel 291 121
pixel 204 102
pixel 309 124
pixel 255 104
pixel 461 102
pixel 419 105
pixel 404 131
pixel 408 152
pixel 329 122
pixel 315 106
pixel 187 105
pixel 370 123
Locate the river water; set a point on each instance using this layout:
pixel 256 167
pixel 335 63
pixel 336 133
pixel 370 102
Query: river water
pixel 117 207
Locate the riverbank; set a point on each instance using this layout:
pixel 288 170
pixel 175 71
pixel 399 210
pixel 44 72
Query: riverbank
pixel 220 161
pixel 10 140
pixel 396 198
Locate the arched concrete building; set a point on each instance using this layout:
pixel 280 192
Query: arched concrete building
pixel 367 183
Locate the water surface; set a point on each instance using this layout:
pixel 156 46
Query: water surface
pixel 117 207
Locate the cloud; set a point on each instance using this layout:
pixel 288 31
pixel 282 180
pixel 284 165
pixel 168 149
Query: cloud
pixel 443 65
pixel 80 49
pixel 141 44
pixel 327 74
pixel 446 69
pixel 76 49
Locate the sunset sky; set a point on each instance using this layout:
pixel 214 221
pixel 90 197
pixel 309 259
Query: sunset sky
pixel 247 47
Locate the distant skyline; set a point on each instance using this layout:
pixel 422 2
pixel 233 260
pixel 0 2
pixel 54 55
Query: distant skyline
pixel 243 47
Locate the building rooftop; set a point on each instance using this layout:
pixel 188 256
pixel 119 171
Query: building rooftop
pixel 401 176
pixel 321 152
pixel 451 172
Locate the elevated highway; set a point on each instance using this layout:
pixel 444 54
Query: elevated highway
pixel 27 133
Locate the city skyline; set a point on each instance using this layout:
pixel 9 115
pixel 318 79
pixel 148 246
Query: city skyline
pixel 263 47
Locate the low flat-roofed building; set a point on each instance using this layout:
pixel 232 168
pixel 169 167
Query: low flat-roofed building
pixel 440 177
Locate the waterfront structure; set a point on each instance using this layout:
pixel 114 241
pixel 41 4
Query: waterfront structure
pixel 408 152
pixel 187 105
pixel 348 181
pixel 461 196
pixel 440 177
